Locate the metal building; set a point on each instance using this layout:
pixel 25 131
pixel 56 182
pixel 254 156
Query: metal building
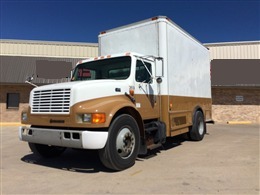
pixel 235 69
pixel 47 62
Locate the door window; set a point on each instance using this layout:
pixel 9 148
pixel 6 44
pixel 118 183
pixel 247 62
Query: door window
pixel 142 74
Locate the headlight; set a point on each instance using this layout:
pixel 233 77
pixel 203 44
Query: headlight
pixel 24 116
pixel 94 118
pixel 86 118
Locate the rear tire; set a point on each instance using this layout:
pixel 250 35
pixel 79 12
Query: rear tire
pixel 122 144
pixel 45 150
pixel 198 129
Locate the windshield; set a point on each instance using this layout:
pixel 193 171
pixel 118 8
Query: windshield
pixel 112 68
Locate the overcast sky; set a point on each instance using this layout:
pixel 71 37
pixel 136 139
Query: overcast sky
pixel 82 21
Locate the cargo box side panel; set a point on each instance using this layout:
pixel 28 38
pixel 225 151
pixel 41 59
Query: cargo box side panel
pixel 141 38
pixel 188 65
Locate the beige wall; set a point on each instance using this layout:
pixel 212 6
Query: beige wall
pixel 235 50
pixel 235 113
pixel 48 49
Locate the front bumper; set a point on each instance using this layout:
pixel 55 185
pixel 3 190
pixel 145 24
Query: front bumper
pixel 64 138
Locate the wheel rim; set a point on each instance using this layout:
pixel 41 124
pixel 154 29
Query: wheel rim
pixel 125 143
pixel 201 126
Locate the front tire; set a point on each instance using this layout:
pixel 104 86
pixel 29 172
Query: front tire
pixel 45 150
pixel 122 144
pixel 198 128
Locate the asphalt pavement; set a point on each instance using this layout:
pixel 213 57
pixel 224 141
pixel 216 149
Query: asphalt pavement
pixel 226 161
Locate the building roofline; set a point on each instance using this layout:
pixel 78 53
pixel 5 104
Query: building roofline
pixel 47 42
pixel 96 44
pixel 231 43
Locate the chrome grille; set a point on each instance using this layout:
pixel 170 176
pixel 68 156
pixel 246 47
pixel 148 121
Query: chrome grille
pixel 51 101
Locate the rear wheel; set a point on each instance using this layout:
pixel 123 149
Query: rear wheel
pixel 45 150
pixel 122 144
pixel 198 128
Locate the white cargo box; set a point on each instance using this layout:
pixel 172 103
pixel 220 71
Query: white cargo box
pixel 186 60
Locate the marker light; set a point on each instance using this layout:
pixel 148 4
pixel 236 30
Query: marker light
pixel 24 116
pixel 132 90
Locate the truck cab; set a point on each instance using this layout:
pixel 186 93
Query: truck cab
pixel 105 93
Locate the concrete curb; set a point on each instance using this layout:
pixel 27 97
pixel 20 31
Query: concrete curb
pixel 11 124
pixel 239 122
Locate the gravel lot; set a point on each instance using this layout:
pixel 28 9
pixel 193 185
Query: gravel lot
pixel 225 162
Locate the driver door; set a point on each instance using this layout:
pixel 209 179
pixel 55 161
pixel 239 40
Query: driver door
pixel 146 91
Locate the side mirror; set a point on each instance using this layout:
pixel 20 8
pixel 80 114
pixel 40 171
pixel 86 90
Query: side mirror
pixel 159 67
pixel 71 74
pixel 29 81
pixel 30 78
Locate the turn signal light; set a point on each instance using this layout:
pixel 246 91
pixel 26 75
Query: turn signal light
pixel 98 118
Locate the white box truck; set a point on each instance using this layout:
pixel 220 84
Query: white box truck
pixel 151 81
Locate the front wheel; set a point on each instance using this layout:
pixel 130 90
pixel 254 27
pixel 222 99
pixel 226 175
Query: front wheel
pixel 122 145
pixel 198 128
pixel 45 150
